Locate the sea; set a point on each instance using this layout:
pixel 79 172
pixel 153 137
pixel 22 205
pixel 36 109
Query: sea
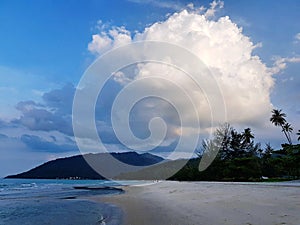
pixel 57 202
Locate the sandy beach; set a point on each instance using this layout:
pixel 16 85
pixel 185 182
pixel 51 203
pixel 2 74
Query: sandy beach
pixel 191 203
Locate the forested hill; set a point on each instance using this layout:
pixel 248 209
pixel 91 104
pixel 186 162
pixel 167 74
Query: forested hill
pixel 76 167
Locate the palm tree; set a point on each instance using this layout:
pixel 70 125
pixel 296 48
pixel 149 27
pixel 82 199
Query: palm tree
pixel 288 129
pixel 298 133
pixel 247 135
pixel 278 119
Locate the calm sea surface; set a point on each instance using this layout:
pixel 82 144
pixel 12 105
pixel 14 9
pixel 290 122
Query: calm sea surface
pixel 37 201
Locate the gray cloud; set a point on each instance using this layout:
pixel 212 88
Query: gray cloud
pixel 53 115
pixel 60 100
pixel 3 136
pixel 40 121
pixel 39 144
pixel 3 124
pixel 44 120
pixel 27 105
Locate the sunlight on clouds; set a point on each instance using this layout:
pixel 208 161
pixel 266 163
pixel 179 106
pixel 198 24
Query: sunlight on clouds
pixel 106 40
pixel 214 6
pixel 101 41
pixel 245 81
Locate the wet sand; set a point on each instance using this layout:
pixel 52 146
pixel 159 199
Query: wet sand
pixel 177 203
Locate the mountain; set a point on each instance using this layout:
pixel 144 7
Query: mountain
pixel 76 167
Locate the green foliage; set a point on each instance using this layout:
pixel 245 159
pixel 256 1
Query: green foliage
pixel 231 144
pixel 292 160
pixel 278 119
pixel 240 159
pixel 243 169
pixel 239 169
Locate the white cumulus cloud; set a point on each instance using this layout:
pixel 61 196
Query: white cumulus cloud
pixel 214 6
pixel 244 80
pixel 297 37
pixel 280 63
pixel 105 40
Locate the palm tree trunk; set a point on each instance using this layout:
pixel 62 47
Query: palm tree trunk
pixel 289 134
pixel 287 137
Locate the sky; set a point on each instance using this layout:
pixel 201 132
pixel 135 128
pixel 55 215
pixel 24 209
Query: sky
pixel 252 48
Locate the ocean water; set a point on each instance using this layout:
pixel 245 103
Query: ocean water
pixel 55 202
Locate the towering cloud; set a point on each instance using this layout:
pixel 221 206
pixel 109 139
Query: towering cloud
pixel 244 80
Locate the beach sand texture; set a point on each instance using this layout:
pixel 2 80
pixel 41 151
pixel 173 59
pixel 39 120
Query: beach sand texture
pixel 209 203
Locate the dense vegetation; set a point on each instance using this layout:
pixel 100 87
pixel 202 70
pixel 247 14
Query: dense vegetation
pixel 241 159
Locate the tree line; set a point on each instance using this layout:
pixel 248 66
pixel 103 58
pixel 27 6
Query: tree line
pixel 239 158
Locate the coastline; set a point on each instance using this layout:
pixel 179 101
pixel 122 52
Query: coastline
pixel 172 202
pixel 40 201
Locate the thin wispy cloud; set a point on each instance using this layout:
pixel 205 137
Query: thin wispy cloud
pixel 161 4
pixel 280 63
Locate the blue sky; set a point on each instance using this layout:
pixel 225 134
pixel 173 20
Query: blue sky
pixel 44 50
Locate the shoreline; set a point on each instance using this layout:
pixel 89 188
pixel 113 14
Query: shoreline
pixel 189 203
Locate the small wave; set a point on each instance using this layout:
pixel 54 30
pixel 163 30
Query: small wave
pixel 31 185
